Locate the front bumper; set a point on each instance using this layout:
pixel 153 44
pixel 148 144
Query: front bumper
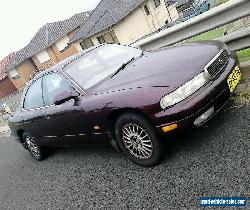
pixel 213 97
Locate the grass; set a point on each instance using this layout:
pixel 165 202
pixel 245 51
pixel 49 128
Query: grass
pixel 2 123
pixel 218 2
pixel 244 55
pixel 213 34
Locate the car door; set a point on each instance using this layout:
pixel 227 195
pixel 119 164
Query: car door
pixel 32 113
pixel 65 124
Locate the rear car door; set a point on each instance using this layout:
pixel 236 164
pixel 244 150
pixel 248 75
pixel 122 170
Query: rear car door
pixel 32 109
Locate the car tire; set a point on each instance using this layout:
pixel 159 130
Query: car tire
pixel 36 151
pixel 138 139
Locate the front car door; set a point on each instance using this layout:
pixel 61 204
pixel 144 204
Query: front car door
pixel 65 124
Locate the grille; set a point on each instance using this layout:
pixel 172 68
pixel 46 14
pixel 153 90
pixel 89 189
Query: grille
pixel 218 64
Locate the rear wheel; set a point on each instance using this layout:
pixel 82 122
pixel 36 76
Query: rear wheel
pixel 36 151
pixel 138 139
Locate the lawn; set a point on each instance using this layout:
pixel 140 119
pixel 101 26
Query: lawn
pixel 2 123
pixel 244 55
pixel 218 2
pixel 210 35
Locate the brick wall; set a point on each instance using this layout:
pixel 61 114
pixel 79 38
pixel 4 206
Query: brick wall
pixel 6 87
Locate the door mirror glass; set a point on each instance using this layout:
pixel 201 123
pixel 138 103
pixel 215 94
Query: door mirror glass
pixel 65 96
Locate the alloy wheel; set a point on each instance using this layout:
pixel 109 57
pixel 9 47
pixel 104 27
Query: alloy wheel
pixel 32 146
pixel 137 141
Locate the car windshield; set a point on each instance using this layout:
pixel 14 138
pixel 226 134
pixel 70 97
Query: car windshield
pixel 100 63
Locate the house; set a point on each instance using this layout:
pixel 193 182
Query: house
pixel 6 85
pixel 49 46
pixel 124 22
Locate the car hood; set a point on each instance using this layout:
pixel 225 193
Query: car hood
pixel 166 68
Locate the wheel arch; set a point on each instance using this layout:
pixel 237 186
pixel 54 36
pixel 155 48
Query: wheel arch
pixel 114 116
pixel 20 133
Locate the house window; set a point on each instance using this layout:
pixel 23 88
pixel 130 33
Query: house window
pixel 101 39
pixel 62 43
pixel 87 43
pixel 157 3
pixel 14 74
pixel 43 56
pixel 109 38
pixel 146 10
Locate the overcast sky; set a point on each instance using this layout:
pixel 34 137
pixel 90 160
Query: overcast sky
pixel 21 19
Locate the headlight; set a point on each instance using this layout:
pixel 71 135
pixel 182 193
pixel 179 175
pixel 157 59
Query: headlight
pixel 184 91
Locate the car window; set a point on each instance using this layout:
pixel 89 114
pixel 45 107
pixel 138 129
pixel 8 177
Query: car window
pixel 33 97
pixel 53 85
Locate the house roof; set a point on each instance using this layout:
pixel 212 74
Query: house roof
pixel 106 14
pixel 46 36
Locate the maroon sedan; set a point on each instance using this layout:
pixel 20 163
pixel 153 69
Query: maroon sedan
pixel 129 96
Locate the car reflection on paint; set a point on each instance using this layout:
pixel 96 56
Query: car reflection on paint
pixel 125 96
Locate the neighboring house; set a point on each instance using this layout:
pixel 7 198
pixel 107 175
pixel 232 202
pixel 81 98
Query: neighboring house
pixel 6 85
pixel 49 46
pixel 124 22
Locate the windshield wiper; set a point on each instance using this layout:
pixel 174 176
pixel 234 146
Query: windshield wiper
pixel 122 67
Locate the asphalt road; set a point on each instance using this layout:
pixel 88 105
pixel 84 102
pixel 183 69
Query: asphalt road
pixel 213 160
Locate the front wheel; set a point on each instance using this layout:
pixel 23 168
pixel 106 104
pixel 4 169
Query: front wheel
pixel 35 150
pixel 138 139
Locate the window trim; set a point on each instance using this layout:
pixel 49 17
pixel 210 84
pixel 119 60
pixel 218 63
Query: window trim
pixel 157 6
pixel 23 108
pixel 41 77
pixel 66 38
pixel 40 53
pixel 16 74
pixel 146 10
pixel 101 37
pixel 83 43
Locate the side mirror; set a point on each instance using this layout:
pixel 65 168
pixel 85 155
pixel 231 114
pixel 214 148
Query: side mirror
pixel 65 96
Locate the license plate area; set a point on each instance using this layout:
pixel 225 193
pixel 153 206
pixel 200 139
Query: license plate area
pixel 233 79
